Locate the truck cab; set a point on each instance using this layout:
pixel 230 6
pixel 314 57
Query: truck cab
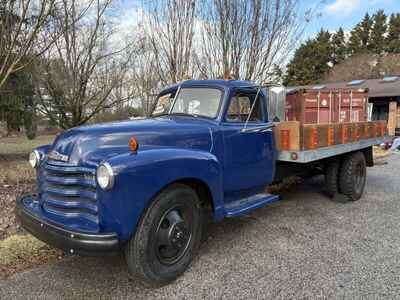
pixel 143 186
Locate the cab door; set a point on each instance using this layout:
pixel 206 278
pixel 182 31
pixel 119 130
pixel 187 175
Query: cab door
pixel 249 152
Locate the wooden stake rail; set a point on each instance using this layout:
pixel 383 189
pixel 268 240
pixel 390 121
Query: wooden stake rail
pixel 292 136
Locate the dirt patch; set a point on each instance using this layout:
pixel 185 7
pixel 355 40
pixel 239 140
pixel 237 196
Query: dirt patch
pixel 18 250
pixel 21 252
pixel 8 194
pixel 16 178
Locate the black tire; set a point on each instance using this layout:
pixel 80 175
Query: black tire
pixel 332 177
pixel 353 176
pixel 157 254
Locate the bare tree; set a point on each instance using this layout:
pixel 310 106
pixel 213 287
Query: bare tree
pixel 248 39
pixel 145 80
pixel 389 65
pixel 81 70
pixel 365 66
pixel 361 66
pixel 170 28
pixel 21 21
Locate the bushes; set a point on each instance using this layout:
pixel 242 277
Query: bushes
pixel 117 115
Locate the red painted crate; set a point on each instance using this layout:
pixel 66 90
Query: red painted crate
pixel 323 106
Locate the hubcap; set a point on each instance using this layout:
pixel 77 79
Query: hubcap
pixel 173 236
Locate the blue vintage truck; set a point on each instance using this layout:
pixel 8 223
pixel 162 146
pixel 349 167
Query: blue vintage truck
pixel 143 186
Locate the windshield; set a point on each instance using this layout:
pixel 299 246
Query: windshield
pixel 196 101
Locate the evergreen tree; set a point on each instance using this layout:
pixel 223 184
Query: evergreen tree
pixel 311 61
pixel 360 36
pixel 17 105
pixel 276 74
pixel 30 122
pixel 339 47
pixel 377 37
pixel 393 37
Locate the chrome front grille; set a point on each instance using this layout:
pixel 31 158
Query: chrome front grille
pixel 69 192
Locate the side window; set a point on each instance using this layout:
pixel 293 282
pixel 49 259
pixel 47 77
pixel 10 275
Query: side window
pixel 240 107
pixel 163 104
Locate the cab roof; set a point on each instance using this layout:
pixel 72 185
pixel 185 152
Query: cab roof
pixel 210 83
pixel 219 82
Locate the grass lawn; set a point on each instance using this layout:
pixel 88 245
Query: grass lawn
pixel 14 152
pixel 20 145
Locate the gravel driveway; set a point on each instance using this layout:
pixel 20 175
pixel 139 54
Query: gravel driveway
pixel 306 246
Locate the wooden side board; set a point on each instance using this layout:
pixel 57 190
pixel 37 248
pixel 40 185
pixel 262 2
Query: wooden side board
pixel 292 136
pixel 288 135
pixel 324 135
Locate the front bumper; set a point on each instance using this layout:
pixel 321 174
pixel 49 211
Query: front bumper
pixel 75 242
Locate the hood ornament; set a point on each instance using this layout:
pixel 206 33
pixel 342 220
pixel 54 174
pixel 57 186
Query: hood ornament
pixel 54 155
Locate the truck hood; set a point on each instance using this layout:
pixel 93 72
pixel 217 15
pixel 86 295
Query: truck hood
pixel 93 144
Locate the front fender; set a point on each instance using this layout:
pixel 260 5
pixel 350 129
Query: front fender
pixel 139 177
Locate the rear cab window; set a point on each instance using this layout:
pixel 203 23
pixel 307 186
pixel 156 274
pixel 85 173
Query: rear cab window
pixel 240 106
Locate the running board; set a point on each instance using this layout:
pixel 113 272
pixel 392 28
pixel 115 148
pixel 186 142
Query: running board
pixel 245 205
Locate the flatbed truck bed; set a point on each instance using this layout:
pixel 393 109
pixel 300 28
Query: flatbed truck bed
pixel 308 143
pixel 308 156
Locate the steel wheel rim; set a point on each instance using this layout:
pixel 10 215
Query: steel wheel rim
pixel 173 234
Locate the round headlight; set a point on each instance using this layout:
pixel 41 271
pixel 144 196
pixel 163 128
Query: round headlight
pixel 105 176
pixel 34 159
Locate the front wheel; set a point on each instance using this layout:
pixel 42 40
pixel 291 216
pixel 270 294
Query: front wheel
pixel 353 175
pixel 167 236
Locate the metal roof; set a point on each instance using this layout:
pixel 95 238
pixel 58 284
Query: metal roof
pixel 377 87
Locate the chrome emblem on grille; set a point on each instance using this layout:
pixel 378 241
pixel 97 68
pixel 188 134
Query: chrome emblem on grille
pixel 54 155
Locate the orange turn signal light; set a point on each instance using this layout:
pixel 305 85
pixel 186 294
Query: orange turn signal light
pixel 133 144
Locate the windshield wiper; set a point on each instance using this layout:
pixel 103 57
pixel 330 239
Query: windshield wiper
pixel 175 114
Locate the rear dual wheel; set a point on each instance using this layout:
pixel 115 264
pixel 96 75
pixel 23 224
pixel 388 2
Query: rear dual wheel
pixel 167 236
pixel 332 177
pixel 346 176
pixel 353 173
